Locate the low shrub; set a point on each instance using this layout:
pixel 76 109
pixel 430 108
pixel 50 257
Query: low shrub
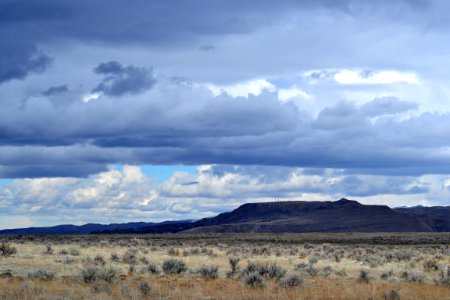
pixel 313 260
pixel 48 249
pixel 89 275
pixel 442 279
pixel 195 251
pixel 100 286
pixel 74 252
pixel 69 260
pixel 275 272
pixel 144 288
pixel 143 260
pixel 114 257
pixel 234 264
pixel 412 277
pixel 311 270
pixel 386 275
pixel 152 268
pixel 42 274
pixel 291 281
pixel 174 266
pixel 107 274
pixel 363 276
pixel 6 250
pixel 208 272
pixel 300 266
pixel 341 273
pixel 129 257
pixel 99 260
pixel 430 265
pixel 392 295
pixel 173 252
pixel 254 280
pixel 272 271
pixel 327 271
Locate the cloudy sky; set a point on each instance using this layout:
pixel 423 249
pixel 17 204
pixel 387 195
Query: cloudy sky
pixel 117 111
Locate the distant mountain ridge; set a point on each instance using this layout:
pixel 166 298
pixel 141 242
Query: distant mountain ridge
pixel 89 228
pixel 278 217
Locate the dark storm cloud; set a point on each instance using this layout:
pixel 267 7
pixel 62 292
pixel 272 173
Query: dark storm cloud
pixel 180 25
pixel 17 61
pixel 137 21
pixel 159 23
pixel 27 24
pixel 160 123
pixel 56 90
pixel 184 125
pixel 120 80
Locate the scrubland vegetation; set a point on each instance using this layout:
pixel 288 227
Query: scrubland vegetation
pixel 223 267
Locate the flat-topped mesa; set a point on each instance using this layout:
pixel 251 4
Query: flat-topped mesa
pixel 343 215
pixel 346 201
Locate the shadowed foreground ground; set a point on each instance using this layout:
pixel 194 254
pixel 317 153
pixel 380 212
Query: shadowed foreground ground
pixel 186 288
pixel 291 266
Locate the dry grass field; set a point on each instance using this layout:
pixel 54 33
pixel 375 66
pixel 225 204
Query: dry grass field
pixel 262 266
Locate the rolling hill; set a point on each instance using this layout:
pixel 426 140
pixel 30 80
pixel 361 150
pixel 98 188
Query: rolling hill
pixel 277 217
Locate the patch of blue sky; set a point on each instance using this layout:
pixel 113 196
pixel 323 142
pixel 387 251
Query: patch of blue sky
pixel 161 173
pixel 286 82
pixel 4 182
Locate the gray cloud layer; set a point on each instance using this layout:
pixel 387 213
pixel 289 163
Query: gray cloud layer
pixel 173 124
pixel 178 25
pixel 141 117
pixel 120 80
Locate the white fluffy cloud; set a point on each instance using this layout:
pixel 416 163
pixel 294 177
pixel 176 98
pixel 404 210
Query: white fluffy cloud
pixel 242 89
pixel 127 194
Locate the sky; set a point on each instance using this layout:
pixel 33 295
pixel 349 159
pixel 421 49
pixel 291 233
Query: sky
pixel 119 111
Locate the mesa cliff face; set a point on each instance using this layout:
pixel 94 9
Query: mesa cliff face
pixel 330 216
